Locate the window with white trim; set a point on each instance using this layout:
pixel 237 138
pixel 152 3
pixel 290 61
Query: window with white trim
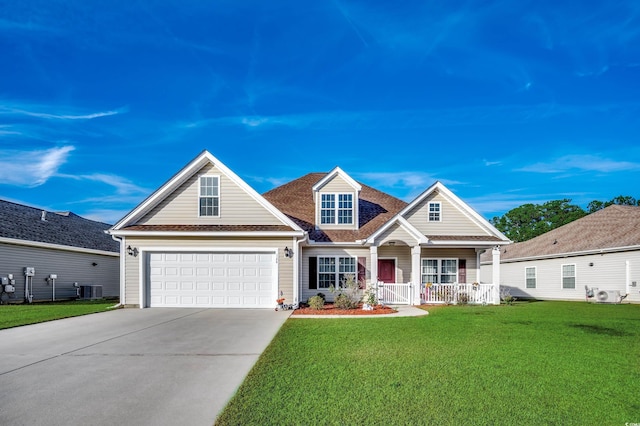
pixel 530 276
pixel 334 271
pixel 209 199
pixel 341 214
pixel 439 271
pixel 434 211
pixel 569 276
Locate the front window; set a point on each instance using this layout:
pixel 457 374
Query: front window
pixel 329 275
pixel 341 214
pixel 434 212
pixel 439 271
pixel 569 276
pixel 530 276
pixel 209 196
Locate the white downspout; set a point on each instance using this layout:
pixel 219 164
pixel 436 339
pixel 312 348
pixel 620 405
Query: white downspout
pixel 122 270
pixel 496 274
pixel 297 267
pixel 627 276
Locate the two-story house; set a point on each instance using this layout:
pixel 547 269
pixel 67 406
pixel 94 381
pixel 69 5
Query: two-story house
pixel 207 239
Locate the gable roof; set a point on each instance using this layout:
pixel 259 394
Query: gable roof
pixel 610 228
pixel 493 234
pixel 128 223
pixel 25 223
pixel 295 199
pixel 337 171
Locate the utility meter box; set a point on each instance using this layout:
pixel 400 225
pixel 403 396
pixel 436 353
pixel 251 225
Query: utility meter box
pixel 53 276
pixel 29 271
pixel 4 280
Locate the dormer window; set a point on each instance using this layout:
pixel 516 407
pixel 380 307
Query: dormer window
pixel 209 196
pixel 342 215
pixel 434 212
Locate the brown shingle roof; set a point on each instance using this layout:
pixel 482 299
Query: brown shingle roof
pixel 614 226
pixel 463 238
pixel 209 228
pixel 295 199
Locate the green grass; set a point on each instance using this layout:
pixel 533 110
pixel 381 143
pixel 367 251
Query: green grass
pixel 542 363
pixel 23 314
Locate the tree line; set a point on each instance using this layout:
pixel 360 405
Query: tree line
pixel 530 220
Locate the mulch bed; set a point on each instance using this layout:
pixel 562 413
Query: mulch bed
pixel 329 309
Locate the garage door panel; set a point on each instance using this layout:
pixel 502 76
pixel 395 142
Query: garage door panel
pixel 235 279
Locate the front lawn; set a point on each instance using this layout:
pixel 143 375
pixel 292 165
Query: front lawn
pixel 536 363
pixel 23 314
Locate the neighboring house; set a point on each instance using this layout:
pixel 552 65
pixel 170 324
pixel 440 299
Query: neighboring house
pixel 71 248
pixel 600 251
pixel 206 238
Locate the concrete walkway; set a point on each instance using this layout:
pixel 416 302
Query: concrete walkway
pixel 403 311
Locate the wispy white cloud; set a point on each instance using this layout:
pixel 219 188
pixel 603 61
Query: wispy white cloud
pixel 31 168
pixel 34 112
pixel 491 163
pixel 122 185
pixel 581 163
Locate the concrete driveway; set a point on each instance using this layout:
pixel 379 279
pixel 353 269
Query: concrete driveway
pixel 131 366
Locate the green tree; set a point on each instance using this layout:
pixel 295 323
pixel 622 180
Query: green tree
pixel 530 220
pixel 621 200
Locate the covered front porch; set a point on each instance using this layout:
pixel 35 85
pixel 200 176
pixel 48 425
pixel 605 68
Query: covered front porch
pixel 414 275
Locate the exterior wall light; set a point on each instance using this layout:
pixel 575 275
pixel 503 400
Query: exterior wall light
pixel 132 251
pixel 288 252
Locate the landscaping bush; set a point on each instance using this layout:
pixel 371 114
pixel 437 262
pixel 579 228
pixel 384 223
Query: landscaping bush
pixel 348 294
pixel 342 301
pixel 316 302
pixel 463 298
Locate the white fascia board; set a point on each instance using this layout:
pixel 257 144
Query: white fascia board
pixel 465 208
pixel 207 234
pixel 157 196
pixel 331 174
pixel 420 238
pixel 465 243
pixel 57 247
pixel 572 254
pixel 335 244
pixel 188 171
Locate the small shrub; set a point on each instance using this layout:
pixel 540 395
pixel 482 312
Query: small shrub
pixel 322 295
pixel 370 297
pixel 506 297
pixel 316 302
pixel 348 293
pixel 342 301
pixel 463 298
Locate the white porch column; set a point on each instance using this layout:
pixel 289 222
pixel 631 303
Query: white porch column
pixel 415 273
pixel 496 274
pixel 478 269
pixel 373 251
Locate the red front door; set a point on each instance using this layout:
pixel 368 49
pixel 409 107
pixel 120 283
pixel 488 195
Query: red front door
pixel 387 270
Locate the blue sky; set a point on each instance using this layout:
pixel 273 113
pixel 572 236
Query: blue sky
pixel 505 102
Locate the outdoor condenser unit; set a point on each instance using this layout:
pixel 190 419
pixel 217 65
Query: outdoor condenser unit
pixel 608 296
pixel 91 292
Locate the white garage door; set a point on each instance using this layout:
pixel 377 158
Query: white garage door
pixel 218 280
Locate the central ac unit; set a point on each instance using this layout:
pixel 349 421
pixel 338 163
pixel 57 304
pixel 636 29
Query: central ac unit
pixel 608 296
pixel 91 292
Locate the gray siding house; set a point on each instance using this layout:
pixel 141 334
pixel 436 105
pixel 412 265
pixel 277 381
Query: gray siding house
pixel 600 251
pixel 71 248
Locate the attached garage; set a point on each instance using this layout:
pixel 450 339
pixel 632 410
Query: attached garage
pixel 221 279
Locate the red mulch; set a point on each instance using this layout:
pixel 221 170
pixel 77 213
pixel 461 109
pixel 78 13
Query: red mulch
pixel 330 310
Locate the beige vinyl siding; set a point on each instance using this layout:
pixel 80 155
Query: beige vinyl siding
pixel 285 264
pixel 607 273
pixel 396 233
pixel 69 266
pixel 327 251
pixel 237 207
pixel 337 184
pixel 452 219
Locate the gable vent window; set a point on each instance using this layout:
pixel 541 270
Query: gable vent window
pixel 434 212
pixel 209 196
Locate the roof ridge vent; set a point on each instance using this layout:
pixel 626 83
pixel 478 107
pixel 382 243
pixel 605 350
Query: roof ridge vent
pixel 44 216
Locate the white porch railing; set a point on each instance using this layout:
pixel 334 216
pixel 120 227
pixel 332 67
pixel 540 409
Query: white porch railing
pixel 394 293
pixel 480 294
